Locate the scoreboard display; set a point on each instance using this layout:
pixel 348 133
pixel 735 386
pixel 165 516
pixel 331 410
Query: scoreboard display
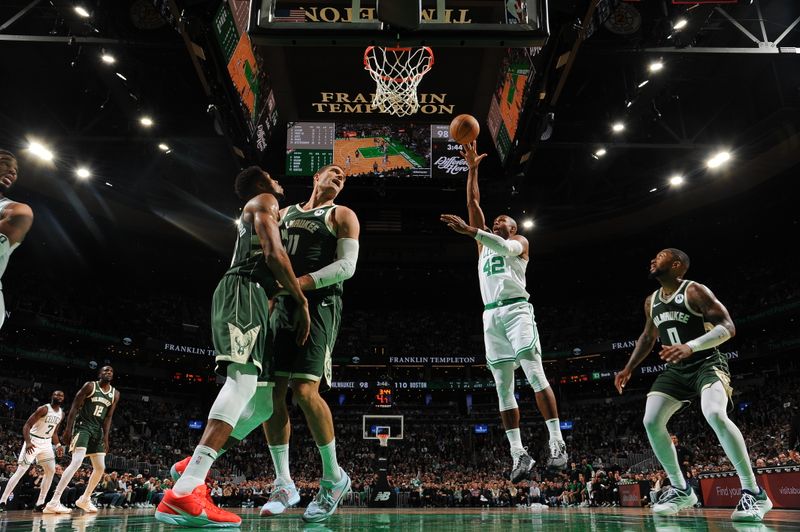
pixel 383 395
pixel 309 146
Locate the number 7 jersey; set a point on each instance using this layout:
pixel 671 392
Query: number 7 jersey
pixel 501 277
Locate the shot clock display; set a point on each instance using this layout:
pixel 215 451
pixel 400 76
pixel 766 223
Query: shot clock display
pixel 383 396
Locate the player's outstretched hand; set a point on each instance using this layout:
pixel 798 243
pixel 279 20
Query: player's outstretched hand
pixel 675 353
pixel 622 379
pixel 456 223
pixel 302 324
pixel 470 154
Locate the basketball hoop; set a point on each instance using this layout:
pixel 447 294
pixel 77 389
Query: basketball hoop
pixel 383 439
pixel 397 73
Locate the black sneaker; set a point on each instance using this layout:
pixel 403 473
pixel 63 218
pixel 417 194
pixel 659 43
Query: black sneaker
pixel 38 508
pixel 523 464
pixel 2 507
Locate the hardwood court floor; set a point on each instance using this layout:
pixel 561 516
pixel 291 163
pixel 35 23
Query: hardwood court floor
pixel 434 519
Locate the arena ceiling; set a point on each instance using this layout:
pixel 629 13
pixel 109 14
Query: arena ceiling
pixel 730 81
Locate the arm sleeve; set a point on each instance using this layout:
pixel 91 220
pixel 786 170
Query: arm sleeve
pixel 342 268
pixel 498 244
pixel 712 338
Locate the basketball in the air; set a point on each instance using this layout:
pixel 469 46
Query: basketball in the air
pixel 464 129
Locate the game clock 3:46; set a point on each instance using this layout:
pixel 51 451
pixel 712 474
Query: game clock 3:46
pixel 383 397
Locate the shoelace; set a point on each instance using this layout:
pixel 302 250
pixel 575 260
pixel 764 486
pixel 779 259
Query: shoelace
pixel 518 456
pixel 555 448
pixel 324 498
pixel 669 495
pixel 748 503
pixel 280 495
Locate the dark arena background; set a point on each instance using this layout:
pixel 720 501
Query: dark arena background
pixel 614 129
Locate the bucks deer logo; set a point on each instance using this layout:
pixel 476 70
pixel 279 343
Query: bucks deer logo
pixel 242 343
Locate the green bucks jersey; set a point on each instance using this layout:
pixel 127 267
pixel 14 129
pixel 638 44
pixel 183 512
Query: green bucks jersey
pixel 310 241
pixel 248 257
pixel 95 408
pixel 678 323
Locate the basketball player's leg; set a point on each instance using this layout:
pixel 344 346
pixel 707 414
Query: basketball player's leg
pixel 97 455
pixel 714 399
pixel 48 473
pixel 668 394
pixel 23 463
pixel 78 449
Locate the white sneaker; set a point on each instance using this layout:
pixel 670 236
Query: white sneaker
pixel 752 506
pixel 55 507
pixel 86 505
pixel 558 455
pixel 327 499
pixel 281 498
pixel 673 500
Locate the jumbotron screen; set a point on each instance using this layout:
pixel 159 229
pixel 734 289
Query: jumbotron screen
pixel 390 150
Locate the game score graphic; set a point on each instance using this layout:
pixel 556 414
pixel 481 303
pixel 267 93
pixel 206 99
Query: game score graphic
pixel 383 396
pixel 388 150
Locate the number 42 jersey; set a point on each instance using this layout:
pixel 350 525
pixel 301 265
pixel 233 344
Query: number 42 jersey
pixel 501 277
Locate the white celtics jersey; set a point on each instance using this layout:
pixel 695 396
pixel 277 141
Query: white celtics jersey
pixel 44 427
pixel 501 277
pixel 4 202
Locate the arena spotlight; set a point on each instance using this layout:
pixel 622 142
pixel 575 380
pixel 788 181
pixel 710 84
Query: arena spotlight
pixel 655 66
pixel 120 76
pixel 645 82
pixel 40 150
pixel 108 59
pixel 676 180
pixel 146 121
pixel 599 153
pixel 617 127
pixel 83 173
pixel 680 24
pixel 653 189
pixel 163 147
pixel 718 159
pixel 527 224
pixel 81 11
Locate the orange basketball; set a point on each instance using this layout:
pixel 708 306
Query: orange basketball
pixel 464 129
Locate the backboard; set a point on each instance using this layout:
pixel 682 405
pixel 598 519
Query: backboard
pixel 372 425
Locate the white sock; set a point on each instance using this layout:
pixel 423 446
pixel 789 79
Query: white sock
pixel 515 439
pixel 69 472
pixel 197 470
pixel 12 482
pixel 657 411
pixel 554 427
pixel 330 467
pixel 280 459
pixel 714 402
pixel 49 472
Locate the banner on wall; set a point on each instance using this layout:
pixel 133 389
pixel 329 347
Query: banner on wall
pixel 783 488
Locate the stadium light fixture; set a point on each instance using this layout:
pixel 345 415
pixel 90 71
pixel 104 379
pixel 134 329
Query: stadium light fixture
pixel 645 82
pixel 108 59
pixel 653 189
pixel 82 12
pixel 655 66
pixel 83 173
pixel 527 224
pixel 676 180
pixel 618 127
pixel 163 147
pixel 40 150
pixel 146 121
pixel 680 24
pixel 120 76
pixel 599 153
pixel 718 159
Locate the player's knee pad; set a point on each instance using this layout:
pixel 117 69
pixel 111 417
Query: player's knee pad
pixel 504 384
pixel 237 391
pixel 534 372
pixel 257 411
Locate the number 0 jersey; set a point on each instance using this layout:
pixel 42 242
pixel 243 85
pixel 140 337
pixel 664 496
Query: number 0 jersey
pixel 501 277
pixel 677 322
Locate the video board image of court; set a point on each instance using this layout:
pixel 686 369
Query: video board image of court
pixel 390 150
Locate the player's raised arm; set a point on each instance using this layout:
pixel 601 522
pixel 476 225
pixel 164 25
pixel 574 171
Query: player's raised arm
pixel 470 154
pixel 644 345
pixel 265 212
pixel 513 246
pixel 85 391
pixel 702 300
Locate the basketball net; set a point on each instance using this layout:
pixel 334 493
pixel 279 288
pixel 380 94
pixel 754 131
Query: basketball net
pixel 383 439
pixel 397 73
